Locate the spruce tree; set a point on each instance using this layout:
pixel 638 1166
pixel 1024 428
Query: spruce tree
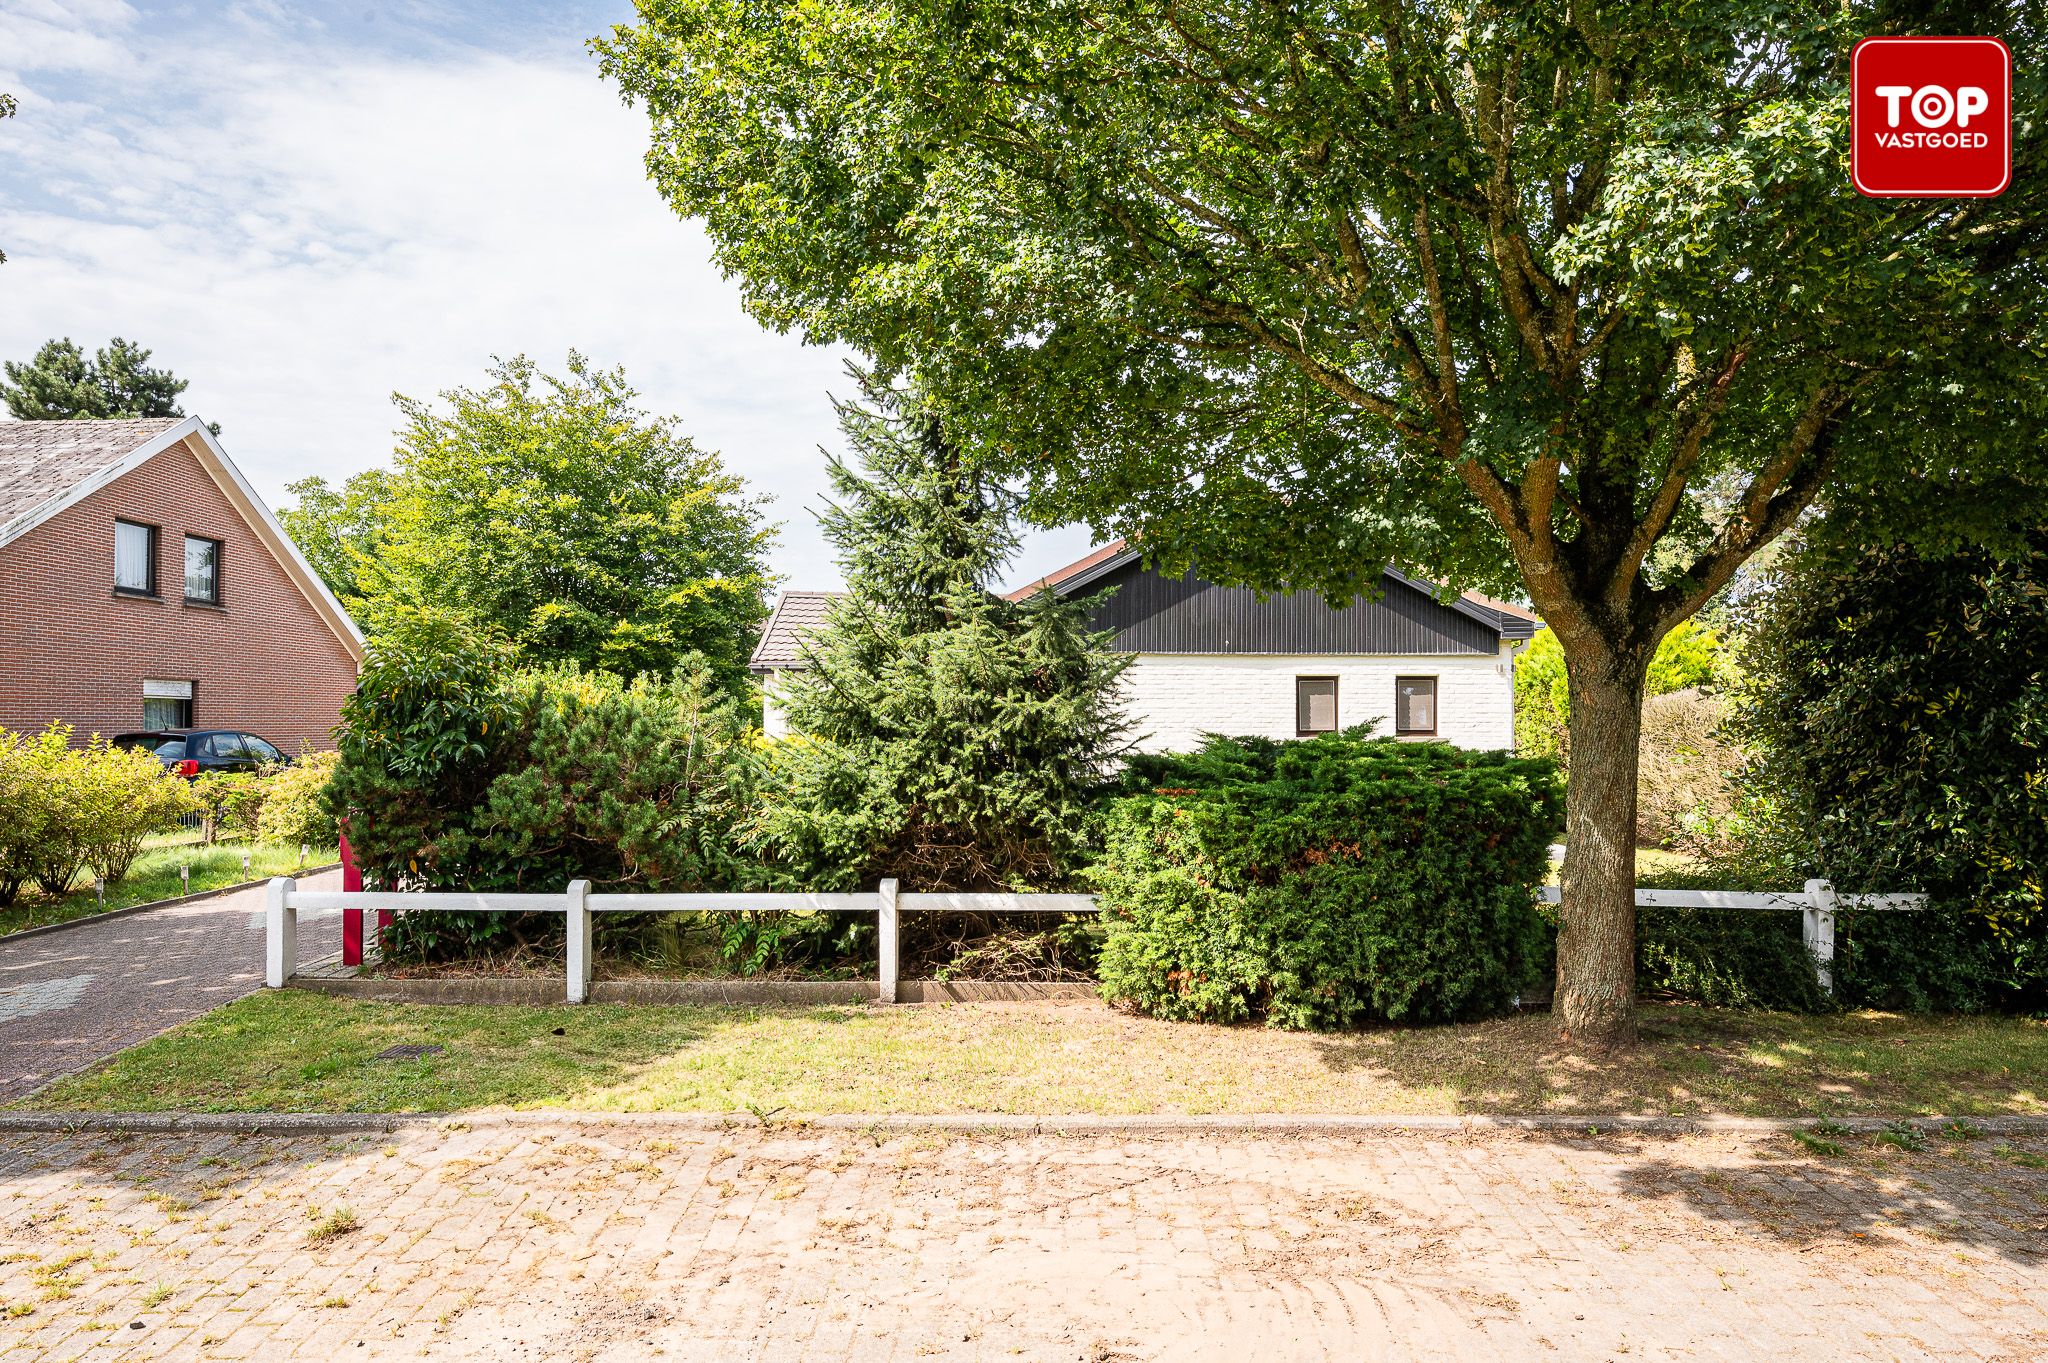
pixel 942 734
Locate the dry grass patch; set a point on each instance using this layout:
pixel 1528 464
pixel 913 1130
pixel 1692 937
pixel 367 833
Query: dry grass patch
pixel 302 1051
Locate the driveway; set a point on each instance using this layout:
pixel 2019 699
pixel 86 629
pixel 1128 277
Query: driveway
pixel 617 1242
pixel 71 997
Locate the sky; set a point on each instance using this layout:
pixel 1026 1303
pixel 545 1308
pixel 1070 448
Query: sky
pixel 305 208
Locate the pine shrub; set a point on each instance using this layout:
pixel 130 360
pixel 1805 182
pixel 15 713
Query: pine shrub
pixel 1327 882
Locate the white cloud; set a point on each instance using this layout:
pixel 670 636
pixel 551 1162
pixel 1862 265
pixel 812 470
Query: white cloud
pixel 300 231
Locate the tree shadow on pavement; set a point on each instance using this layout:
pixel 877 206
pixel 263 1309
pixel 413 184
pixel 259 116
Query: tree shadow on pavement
pixel 1871 1199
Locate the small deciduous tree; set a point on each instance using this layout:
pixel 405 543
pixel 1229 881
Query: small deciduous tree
pixel 556 512
pixel 1568 297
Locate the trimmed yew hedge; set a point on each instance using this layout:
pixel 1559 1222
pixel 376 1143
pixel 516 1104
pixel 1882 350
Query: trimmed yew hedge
pixel 1327 882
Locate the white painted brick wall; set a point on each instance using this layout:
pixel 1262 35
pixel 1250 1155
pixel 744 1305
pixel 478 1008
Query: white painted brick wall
pixel 774 721
pixel 1174 698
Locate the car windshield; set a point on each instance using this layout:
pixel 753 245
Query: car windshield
pixel 172 750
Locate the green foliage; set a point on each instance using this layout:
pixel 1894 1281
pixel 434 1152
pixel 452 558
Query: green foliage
pixel 1728 958
pixel 342 531
pixel 64 808
pixel 1901 720
pixel 941 735
pixel 61 384
pixel 231 801
pixel 1289 293
pixel 1691 655
pixel 458 771
pixel 294 812
pixel 1573 299
pixel 1327 882
pixel 557 513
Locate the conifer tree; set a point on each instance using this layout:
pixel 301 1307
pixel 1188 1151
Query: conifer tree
pixel 943 735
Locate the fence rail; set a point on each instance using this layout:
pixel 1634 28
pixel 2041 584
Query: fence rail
pixel 1818 904
pixel 284 901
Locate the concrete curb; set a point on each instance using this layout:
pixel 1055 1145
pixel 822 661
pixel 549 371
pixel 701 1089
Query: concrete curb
pixel 352 1123
pixel 91 918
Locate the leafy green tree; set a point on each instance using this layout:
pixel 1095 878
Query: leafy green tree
pixel 61 384
pixel 943 735
pixel 1497 292
pixel 556 512
pixel 1899 713
pixel 1692 654
pixel 340 529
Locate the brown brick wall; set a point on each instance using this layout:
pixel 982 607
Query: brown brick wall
pixel 71 650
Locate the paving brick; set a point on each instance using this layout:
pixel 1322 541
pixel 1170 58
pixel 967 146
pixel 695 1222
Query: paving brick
pixel 142 973
pixel 1097 1249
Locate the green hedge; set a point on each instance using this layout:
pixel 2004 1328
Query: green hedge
pixel 1327 882
pixel 459 772
pixel 1728 958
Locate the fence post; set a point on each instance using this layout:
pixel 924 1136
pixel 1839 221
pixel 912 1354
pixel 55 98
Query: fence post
pixel 885 947
pixel 1819 930
pixel 280 932
pixel 579 941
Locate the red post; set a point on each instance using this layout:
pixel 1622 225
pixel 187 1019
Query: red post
pixel 352 919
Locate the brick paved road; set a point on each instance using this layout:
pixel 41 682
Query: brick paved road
pixel 607 1242
pixel 72 997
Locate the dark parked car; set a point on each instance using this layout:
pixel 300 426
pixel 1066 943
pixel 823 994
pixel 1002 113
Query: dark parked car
pixel 190 752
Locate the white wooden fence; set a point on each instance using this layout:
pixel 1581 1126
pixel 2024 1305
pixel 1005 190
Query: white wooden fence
pixel 285 899
pixel 1816 905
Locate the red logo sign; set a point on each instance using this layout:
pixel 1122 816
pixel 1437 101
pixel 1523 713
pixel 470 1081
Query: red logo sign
pixel 1931 118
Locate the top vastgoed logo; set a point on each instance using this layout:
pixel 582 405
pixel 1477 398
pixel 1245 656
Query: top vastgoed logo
pixel 1931 117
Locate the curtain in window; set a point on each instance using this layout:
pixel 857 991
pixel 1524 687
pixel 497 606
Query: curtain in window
pixel 131 556
pixel 1415 705
pixel 1315 705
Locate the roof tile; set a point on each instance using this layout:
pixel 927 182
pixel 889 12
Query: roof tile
pixel 42 460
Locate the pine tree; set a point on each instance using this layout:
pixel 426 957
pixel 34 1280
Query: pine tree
pixel 943 735
pixel 61 384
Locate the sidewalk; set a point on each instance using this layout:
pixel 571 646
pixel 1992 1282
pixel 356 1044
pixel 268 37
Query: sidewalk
pixel 631 1242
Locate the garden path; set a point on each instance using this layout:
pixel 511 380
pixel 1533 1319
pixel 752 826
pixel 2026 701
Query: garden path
pixel 75 996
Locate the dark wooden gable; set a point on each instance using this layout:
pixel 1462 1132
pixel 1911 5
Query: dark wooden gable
pixel 1155 614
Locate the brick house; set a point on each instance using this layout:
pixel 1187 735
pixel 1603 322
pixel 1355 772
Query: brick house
pixel 144 584
pixel 1213 659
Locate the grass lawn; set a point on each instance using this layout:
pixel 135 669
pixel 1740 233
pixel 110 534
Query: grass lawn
pixel 299 1051
pixel 155 876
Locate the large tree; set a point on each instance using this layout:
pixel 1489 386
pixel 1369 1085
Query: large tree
pixel 556 512
pixel 1568 295
pixel 62 384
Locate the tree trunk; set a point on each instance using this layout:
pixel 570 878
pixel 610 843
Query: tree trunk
pixel 1596 944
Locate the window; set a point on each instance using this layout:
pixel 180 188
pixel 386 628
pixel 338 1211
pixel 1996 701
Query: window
pixel 1315 705
pixel 166 705
pixel 202 570
pixel 223 748
pixel 135 558
pixel 261 751
pixel 1415 705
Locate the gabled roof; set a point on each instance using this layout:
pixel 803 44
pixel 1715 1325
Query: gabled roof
pixel 41 461
pixel 49 466
pixel 796 615
pixel 1511 622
